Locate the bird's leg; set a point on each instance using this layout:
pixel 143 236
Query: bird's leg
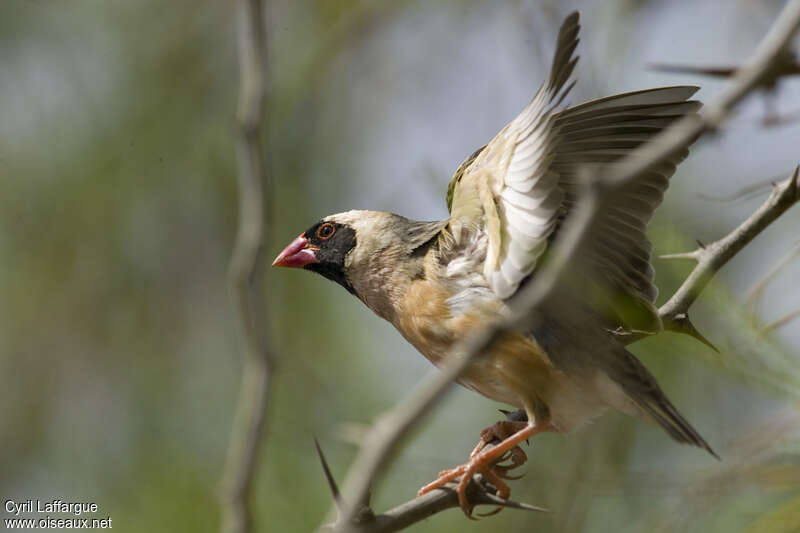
pixel 498 432
pixel 481 461
pixel 495 433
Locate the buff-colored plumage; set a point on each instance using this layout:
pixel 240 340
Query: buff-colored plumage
pixel 436 282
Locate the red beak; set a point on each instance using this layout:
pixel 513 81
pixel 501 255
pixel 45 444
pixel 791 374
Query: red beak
pixel 296 255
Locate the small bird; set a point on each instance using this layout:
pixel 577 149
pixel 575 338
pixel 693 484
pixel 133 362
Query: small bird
pixel 438 281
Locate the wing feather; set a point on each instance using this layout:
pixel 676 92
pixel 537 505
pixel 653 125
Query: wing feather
pixel 617 256
pixel 530 170
pixel 516 165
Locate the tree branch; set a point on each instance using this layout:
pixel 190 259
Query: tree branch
pixel 710 258
pixel 423 507
pixel 250 418
pixel 385 435
pixel 417 509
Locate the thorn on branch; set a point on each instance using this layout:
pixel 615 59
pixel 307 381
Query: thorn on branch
pixel 684 255
pixel 479 492
pixel 718 253
pixel 682 324
pixel 365 513
pixel 337 497
pixel 484 494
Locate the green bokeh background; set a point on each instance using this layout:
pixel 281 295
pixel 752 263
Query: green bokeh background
pixel 118 351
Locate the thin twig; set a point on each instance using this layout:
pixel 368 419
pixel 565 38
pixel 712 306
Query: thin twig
pixel 427 505
pixel 745 193
pixel 250 418
pixel 779 323
pixel 781 119
pixel 782 66
pixel 714 255
pixel 419 508
pixel 757 291
pixel 385 435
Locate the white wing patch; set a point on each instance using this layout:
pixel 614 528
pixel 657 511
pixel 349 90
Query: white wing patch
pixel 528 199
pixel 509 190
pixel 508 197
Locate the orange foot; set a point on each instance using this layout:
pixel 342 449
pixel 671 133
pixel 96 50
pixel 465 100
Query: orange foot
pixel 497 433
pixel 483 461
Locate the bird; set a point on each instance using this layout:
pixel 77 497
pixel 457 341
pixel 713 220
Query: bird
pixel 436 282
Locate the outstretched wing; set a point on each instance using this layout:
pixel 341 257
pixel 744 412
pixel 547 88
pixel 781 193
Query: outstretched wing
pixel 616 256
pixel 518 188
pixel 509 188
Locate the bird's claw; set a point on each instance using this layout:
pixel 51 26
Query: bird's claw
pixel 484 461
pixel 503 473
pixel 465 473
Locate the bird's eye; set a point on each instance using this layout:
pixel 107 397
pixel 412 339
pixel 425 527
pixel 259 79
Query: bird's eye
pixel 326 231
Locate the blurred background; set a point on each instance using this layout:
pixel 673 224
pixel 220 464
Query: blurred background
pixel 118 352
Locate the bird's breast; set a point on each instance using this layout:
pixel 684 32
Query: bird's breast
pixel 515 367
pixel 424 319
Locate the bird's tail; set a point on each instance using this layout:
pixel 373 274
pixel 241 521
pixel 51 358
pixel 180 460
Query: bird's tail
pixel 642 388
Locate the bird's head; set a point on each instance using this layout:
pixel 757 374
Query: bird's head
pixel 328 246
pixel 369 253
